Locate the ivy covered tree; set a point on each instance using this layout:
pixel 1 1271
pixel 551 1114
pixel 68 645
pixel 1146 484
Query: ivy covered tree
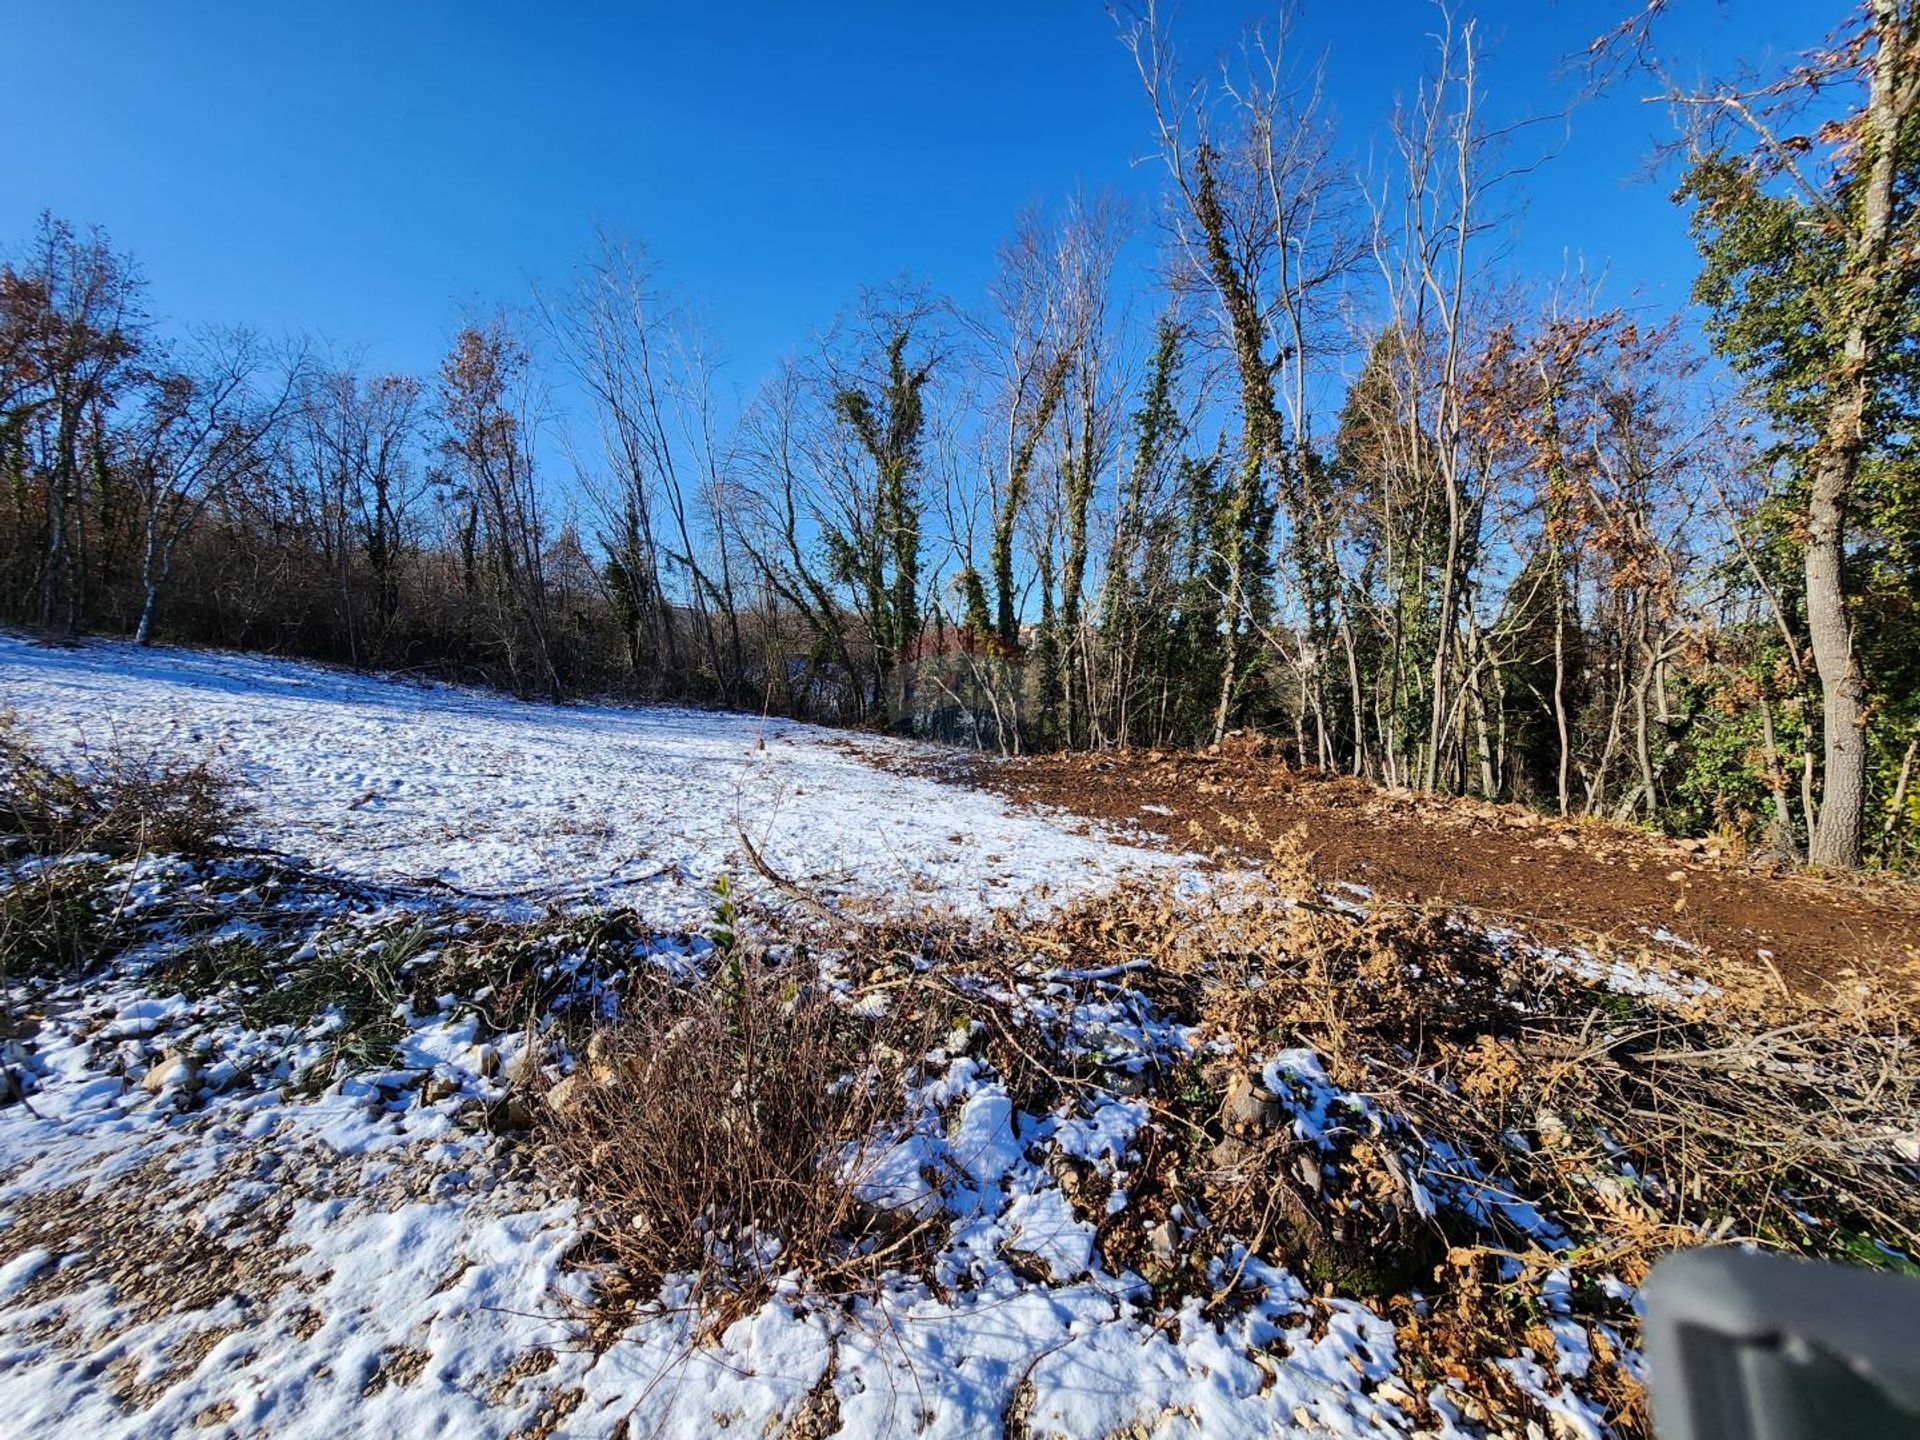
pixel 1804 213
pixel 888 420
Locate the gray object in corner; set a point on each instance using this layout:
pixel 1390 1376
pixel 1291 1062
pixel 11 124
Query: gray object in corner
pixel 1746 1346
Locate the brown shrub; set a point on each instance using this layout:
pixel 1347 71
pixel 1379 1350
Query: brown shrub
pixel 1639 1123
pixel 118 802
pixel 724 1131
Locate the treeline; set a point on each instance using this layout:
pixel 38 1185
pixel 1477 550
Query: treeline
pixel 1337 476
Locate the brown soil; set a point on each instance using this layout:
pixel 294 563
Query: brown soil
pixel 1550 877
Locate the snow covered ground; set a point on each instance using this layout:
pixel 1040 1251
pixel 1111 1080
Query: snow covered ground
pixel 414 784
pixel 193 1239
pixel 208 1257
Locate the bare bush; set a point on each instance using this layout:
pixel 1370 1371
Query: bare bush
pixel 727 1132
pixel 117 802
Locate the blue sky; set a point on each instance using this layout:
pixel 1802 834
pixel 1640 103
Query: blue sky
pixel 372 172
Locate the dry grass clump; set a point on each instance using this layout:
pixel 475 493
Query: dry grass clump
pixel 118 802
pixel 510 974
pixel 722 1131
pixel 1645 1120
pixel 513 973
pixel 59 916
pixel 51 922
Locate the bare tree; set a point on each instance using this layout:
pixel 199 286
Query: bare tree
pixel 71 312
pixel 211 415
pixel 778 510
pixel 1264 221
pixel 353 441
pixel 1092 233
pixel 487 455
pixel 651 383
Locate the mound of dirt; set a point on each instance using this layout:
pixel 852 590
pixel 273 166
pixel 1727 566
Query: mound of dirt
pixel 1513 866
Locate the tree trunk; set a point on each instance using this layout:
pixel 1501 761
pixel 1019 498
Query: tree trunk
pixel 143 632
pixel 1843 796
pixel 1843 790
pixel 1780 836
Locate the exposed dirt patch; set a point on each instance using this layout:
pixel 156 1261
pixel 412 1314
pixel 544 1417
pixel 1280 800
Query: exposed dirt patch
pixel 553 1413
pixel 521 1369
pixel 147 1241
pixel 1548 876
pixel 400 1365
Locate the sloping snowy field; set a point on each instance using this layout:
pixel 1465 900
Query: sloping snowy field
pixel 196 1239
pixel 433 785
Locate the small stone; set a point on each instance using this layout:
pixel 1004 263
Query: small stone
pixel 1309 1172
pixel 1071 1172
pixel 603 1057
pixel 566 1096
pixel 1551 1129
pixel 440 1087
pixel 1164 1242
pixel 1228 1160
pixel 170 1073
pixel 513 1113
pixel 525 1070
pixel 1250 1107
